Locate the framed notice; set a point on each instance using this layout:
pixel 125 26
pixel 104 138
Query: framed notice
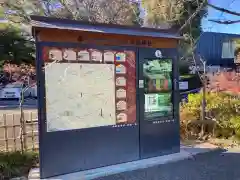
pixel 96 56
pixel 69 54
pixel 121 69
pixel 55 55
pixel 121 81
pixel 120 57
pixel 183 85
pixel 83 55
pixel 108 56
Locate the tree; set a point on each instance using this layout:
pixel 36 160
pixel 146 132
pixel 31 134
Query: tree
pixel 15 48
pixel 190 20
pixel 181 14
pixel 159 12
pixel 104 11
pixel 136 19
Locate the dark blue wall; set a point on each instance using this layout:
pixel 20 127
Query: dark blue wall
pixel 210 48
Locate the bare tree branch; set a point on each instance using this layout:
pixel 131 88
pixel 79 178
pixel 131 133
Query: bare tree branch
pixel 117 12
pixel 47 5
pixel 66 6
pixel 201 6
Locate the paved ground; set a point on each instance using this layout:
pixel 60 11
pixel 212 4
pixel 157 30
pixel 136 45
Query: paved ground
pixel 13 104
pixel 209 166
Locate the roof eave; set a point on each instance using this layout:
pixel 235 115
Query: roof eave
pixel 65 24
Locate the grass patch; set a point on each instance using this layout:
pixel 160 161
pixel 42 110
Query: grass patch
pixel 16 164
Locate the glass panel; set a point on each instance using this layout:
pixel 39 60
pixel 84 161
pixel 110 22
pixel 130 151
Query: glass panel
pixel 87 88
pixel 158 88
pixel 228 49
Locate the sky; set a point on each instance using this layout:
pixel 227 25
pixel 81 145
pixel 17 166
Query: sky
pixel 233 5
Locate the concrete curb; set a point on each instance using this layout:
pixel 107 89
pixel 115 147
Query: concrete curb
pixel 187 152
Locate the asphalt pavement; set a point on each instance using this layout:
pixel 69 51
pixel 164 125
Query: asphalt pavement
pixel 14 104
pixel 208 166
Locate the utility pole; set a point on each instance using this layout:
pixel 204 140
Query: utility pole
pixel 237 66
pixel 203 114
pixel 204 91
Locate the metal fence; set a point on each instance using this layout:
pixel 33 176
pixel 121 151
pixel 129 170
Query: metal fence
pixel 17 136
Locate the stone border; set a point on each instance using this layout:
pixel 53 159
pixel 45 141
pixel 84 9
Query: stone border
pixel 187 152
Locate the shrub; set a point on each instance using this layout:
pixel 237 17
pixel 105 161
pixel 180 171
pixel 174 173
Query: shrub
pixel 14 164
pixel 235 123
pixel 223 115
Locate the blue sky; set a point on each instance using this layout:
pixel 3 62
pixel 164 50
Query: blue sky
pixel 233 5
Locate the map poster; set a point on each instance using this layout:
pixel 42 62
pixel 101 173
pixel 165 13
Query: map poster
pixel 74 102
pixel 85 92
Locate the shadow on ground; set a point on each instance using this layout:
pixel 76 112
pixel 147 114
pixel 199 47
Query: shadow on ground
pixel 217 165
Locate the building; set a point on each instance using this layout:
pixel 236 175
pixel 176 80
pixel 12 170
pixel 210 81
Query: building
pixel 218 48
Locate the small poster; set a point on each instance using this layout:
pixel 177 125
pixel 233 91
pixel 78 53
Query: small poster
pixel 121 105
pixel 151 102
pixel 121 81
pixel 55 54
pixel 121 93
pixel 183 85
pixel 69 55
pixel 121 118
pixel 120 69
pixel 160 102
pixel 96 56
pixel 108 56
pixel 120 57
pixel 83 55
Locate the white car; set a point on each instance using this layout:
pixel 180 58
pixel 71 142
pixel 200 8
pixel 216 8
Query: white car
pixel 11 91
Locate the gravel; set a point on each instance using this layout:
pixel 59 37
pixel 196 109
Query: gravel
pixel 208 166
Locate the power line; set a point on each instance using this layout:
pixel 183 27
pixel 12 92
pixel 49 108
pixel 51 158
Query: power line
pixel 222 13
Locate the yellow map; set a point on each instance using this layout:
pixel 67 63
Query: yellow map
pixel 79 96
